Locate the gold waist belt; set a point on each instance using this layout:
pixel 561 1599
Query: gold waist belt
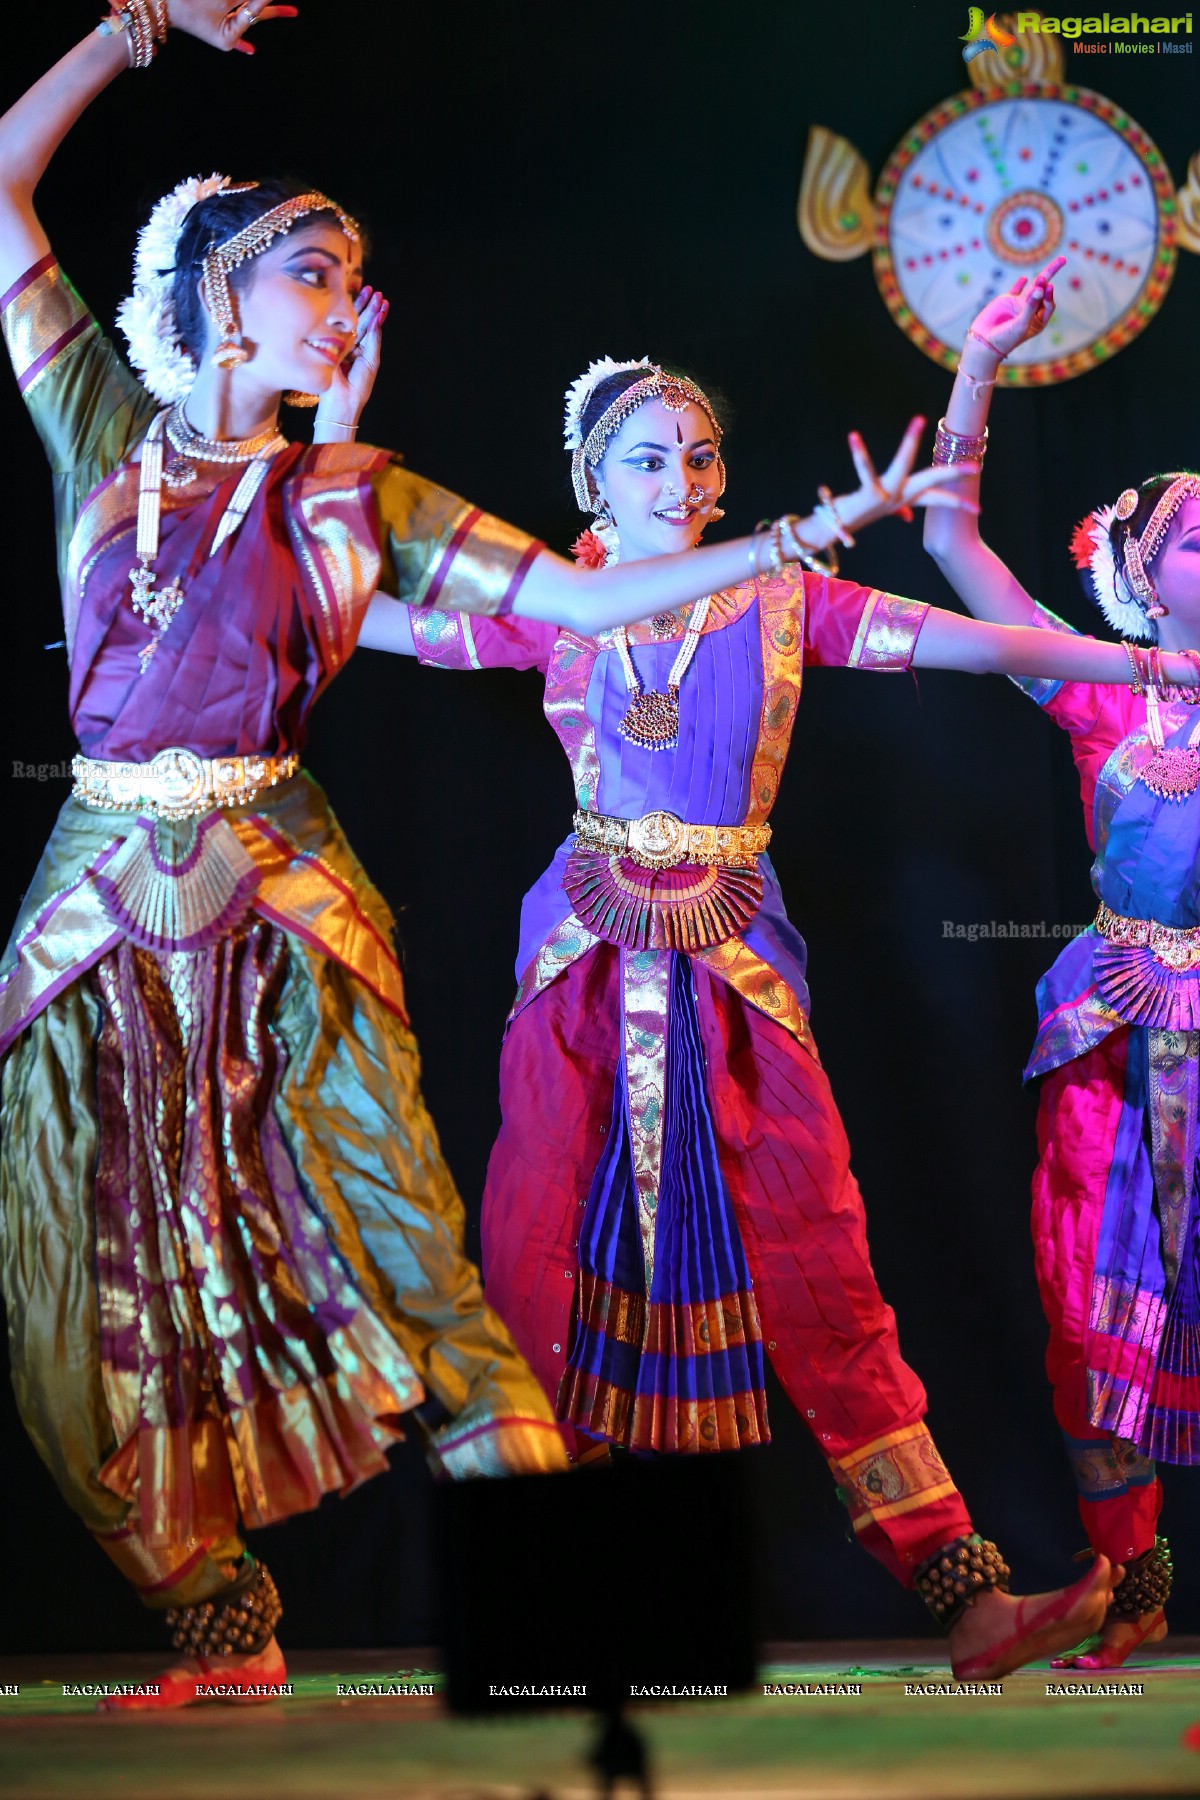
pixel 1176 946
pixel 659 840
pixel 177 784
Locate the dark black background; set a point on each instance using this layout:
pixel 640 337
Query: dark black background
pixel 545 183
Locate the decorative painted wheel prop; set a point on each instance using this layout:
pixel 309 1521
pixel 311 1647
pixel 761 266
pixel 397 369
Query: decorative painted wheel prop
pixel 990 185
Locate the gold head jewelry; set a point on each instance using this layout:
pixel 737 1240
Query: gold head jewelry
pixel 1142 550
pixel 676 393
pixel 1183 487
pixel 249 242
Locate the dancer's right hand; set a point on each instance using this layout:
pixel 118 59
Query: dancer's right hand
pixel 223 26
pixel 1021 313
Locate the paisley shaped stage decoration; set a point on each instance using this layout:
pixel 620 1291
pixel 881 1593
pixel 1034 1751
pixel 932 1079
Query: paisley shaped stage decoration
pixel 989 185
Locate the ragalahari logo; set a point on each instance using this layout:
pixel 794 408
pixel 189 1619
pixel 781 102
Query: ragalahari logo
pixel 984 34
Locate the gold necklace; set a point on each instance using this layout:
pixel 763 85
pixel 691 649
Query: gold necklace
pixel 652 721
pixel 192 447
pixel 1173 772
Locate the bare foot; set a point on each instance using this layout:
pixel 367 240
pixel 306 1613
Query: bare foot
pixel 1120 1636
pixel 999 1631
pixel 239 1680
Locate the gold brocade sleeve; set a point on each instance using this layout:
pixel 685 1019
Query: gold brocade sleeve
pixel 87 407
pixel 887 632
pixel 441 552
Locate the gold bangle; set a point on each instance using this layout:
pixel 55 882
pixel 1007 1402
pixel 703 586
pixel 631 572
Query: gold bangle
pixel 804 553
pixel 840 531
pixel 1131 653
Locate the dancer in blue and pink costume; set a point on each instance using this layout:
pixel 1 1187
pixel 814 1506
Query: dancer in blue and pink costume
pixel 1115 1225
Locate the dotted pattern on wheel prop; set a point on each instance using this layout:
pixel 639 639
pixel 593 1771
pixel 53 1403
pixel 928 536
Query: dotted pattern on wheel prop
pixel 988 186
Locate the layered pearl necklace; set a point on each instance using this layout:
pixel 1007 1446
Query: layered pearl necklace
pixel 191 447
pixel 158 606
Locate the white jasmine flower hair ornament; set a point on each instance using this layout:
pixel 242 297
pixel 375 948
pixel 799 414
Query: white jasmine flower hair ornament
pixel 1122 585
pixel 1092 550
pixel 147 316
pixel 577 395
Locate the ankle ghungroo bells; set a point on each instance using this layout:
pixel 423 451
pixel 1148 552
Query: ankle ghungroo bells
pixel 950 1579
pixel 239 1621
pixel 1146 1584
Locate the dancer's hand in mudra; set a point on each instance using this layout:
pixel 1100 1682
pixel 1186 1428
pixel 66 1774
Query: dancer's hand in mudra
pixel 223 26
pixel 1021 313
pixel 898 490
pixel 341 405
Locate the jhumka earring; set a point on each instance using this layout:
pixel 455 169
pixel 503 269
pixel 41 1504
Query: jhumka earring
pixel 230 352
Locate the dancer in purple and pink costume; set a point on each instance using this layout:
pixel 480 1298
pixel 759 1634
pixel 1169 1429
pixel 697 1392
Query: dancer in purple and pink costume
pixel 670 1197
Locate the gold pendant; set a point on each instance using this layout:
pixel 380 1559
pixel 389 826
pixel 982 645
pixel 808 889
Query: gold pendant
pixel 1172 774
pixel 652 721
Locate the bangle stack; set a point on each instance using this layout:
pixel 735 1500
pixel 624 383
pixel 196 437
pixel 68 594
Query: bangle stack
pixel 785 545
pixel 1148 677
pixel 144 24
pixel 953 447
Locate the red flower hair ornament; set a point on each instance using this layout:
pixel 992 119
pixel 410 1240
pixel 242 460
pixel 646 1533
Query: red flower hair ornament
pixel 588 551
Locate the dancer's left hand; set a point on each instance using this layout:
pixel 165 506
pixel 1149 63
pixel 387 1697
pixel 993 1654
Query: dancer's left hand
pixel 898 490
pixel 350 389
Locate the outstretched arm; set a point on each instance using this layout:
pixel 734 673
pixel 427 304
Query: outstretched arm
pixel 32 129
pixel 589 601
pixel 979 648
pixel 984 583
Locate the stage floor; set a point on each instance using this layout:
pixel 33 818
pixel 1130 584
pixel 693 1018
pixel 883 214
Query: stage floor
pixel 879 1744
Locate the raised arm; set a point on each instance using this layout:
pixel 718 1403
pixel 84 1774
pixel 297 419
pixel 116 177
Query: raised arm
pixel 984 583
pixel 33 128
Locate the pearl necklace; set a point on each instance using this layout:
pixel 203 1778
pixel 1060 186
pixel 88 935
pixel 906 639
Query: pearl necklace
pixel 652 721
pixel 158 606
pixel 192 447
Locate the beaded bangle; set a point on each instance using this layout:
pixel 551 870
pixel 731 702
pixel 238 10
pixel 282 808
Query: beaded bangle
pixel 1131 653
pixel 953 447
